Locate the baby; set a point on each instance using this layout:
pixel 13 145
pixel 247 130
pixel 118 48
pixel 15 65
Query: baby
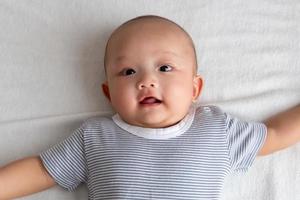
pixel 159 145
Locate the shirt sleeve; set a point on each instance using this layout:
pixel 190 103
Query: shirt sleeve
pixel 244 140
pixel 65 162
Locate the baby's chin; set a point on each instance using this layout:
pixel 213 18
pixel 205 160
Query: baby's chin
pixel 154 118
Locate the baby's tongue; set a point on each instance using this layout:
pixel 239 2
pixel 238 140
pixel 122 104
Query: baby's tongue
pixel 149 100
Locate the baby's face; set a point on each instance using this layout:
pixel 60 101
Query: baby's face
pixel 151 80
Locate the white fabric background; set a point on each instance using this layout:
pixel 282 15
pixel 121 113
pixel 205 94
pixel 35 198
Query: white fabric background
pixel 51 55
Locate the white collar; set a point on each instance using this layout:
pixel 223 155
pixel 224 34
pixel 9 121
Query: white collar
pixel 158 133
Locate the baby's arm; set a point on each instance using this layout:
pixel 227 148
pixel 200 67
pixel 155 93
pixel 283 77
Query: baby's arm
pixel 283 131
pixel 24 177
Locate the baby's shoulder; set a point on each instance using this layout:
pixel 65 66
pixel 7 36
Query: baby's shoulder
pixel 210 110
pixel 210 115
pixel 97 122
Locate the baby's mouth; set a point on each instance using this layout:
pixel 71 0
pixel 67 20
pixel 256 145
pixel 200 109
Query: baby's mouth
pixel 150 101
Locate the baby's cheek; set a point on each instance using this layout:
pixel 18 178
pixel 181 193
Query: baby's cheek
pixel 183 95
pixel 122 99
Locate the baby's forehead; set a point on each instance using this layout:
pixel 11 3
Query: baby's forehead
pixel 147 25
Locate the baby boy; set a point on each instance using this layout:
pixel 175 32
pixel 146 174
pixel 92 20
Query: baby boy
pixel 159 144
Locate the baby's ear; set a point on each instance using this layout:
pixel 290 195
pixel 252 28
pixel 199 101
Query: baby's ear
pixel 197 87
pixel 105 90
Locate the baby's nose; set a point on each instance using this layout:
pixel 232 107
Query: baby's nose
pixel 147 83
pixel 142 85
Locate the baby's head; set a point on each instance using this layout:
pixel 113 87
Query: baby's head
pixel 151 72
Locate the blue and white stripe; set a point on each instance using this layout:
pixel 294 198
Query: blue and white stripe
pixel 116 164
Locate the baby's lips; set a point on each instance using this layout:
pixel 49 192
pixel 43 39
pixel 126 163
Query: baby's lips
pixel 150 100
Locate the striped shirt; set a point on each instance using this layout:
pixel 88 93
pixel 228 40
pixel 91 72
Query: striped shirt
pixel 120 161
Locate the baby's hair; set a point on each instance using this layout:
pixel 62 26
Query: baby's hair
pixel 157 18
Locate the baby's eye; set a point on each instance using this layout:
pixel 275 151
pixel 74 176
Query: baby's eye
pixel 165 68
pixel 128 72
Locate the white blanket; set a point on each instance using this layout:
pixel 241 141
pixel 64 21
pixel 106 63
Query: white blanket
pixel 51 70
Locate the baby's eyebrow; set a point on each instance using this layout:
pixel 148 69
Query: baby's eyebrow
pixel 165 52
pixel 169 52
pixel 120 58
pixel 124 58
